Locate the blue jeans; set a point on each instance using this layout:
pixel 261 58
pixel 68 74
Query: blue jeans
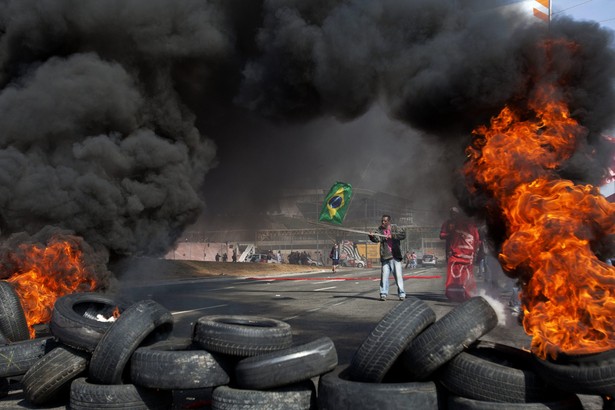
pixel 389 266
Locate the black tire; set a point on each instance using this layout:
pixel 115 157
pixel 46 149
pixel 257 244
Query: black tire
pixel 592 374
pixel 241 335
pixel 74 322
pixel 141 320
pixel 389 338
pixel 17 358
pixel 3 339
pixel 176 364
pixel 89 396
pixel 5 387
pixel 13 324
pixel 337 392
pixel 49 378
pixel 287 366
pixel 462 403
pixel 497 373
pixel 447 337
pixel 301 396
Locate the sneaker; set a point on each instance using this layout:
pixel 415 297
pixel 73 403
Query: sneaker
pixel 402 298
pixel 383 297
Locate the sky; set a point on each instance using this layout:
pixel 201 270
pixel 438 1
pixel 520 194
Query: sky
pixel 600 11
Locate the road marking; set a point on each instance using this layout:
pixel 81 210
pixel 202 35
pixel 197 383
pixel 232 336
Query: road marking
pixel 330 287
pixel 228 287
pixel 182 312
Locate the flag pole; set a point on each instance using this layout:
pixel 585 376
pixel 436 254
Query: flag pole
pixel 339 228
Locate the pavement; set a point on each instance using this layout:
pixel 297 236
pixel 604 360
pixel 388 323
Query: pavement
pixel 346 313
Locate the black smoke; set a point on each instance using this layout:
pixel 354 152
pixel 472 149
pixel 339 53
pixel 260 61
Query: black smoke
pixel 122 121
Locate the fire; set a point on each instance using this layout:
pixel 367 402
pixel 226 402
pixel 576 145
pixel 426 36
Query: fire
pixel 568 293
pixel 46 273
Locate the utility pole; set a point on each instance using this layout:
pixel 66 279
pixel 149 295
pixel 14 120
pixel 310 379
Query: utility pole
pixel 539 13
pixel 365 222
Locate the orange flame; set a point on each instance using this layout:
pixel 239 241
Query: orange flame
pixel 116 312
pixel 569 294
pixel 46 273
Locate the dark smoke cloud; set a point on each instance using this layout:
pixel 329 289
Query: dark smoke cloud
pixel 120 117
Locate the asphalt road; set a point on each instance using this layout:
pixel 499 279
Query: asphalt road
pixel 344 306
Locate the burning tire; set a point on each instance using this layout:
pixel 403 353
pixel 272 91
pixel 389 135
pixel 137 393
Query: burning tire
pixel 495 372
pixel 462 403
pixel 49 378
pixel 89 396
pixel 13 324
pixel 389 338
pixel 139 321
pixel 301 396
pixel 74 319
pixel 176 364
pixel 587 374
pixel 336 392
pixel 447 337
pixel 287 366
pixel 241 335
pixel 17 358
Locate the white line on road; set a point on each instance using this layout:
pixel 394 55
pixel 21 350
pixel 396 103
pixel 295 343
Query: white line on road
pixel 196 310
pixel 330 287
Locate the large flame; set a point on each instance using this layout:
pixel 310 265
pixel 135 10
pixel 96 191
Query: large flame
pixel 46 273
pixel 569 294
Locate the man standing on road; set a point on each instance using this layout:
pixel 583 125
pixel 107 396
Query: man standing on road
pixel 389 236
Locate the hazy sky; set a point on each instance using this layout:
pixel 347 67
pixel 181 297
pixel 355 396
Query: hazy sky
pixel 600 11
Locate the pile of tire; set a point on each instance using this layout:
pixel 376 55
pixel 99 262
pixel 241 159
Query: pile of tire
pixel 410 360
pixel 92 361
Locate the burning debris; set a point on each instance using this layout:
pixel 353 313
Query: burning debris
pixel 112 117
pixel 50 265
pixel 554 227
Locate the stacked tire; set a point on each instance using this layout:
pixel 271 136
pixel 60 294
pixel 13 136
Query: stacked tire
pixel 268 371
pixel 410 360
pixel 18 352
pixel 95 362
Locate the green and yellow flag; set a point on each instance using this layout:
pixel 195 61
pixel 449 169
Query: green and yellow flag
pixel 336 203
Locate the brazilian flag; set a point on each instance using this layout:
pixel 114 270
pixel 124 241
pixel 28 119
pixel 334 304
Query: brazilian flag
pixel 336 203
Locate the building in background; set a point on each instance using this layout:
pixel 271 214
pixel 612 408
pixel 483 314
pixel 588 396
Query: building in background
pixel 291 227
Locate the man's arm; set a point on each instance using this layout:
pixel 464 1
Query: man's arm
pixel 376 239
pixel 398 233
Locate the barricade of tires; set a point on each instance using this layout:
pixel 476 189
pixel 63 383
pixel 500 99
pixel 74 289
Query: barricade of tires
pixel 94 362
pixel 409 360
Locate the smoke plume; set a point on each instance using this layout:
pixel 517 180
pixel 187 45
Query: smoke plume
pixel 123 120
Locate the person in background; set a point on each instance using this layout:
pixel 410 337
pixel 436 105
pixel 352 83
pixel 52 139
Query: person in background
pixel 217 257
pixel 279 256
pixel 407 259
pixel 481 259
pixel 234 257
pixel 389 237
pixel 413 260
pixel 462 242
pixel 335 256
